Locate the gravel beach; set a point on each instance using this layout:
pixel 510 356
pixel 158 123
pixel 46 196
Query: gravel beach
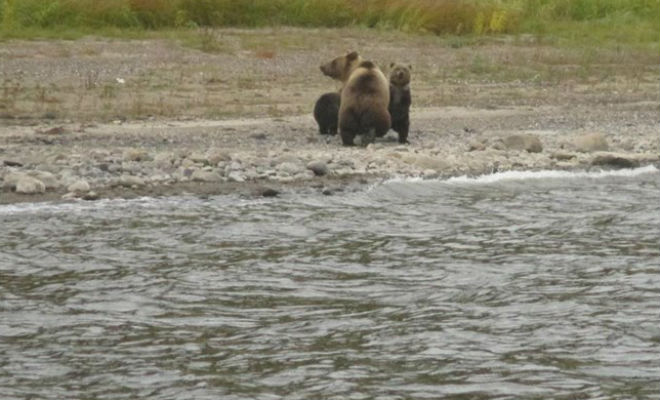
pixel 51 152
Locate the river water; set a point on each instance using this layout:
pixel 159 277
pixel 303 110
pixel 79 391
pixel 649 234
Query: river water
pixel 512 285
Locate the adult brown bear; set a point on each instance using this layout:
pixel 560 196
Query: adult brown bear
pixel 365 97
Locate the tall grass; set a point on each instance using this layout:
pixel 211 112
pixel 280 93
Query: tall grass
pixel 435 16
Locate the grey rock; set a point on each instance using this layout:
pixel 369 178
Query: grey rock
pixel 188 163
pixel 29 185
pixel 236 176
pixel 289 168
pixel 525 141
pixel 561 156
pixel 426 162
pixel 114 168
pixel 319 168
pixel 163 160
pixel 199 158
pixel 11 179
pixel 131 180
pixel 80 186
pixel 136 155
pixel 202 175
pixel 215 157
pixel 590 142
pixel 476 145
pixel 430 174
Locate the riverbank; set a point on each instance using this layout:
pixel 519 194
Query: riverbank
pixel 266 156
pixel 99 118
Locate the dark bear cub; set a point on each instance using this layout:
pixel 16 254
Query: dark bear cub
pixel 326 113
pixel 400 100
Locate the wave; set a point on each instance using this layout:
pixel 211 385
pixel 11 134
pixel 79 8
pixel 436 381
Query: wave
pixel 551 174
pixel 75 205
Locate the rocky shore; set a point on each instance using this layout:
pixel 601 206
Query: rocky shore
pixel 109 118
pixel 267 156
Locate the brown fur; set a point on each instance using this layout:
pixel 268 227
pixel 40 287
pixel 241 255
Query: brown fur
pixel 364 98
pixel 400 100
pixel 341 67
pixel 326 113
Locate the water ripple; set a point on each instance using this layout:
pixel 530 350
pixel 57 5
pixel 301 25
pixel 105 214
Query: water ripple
pixel 477 288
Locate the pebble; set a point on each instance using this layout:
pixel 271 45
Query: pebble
pixel 319 168
pixel 476 145
pixel 289 168
pixel 216 157
pixel 561 156
pixel 48 178
pixel 236 176
pixel 136 155
pixel 131 180
pixel 90 196
pixel 528 142
pixel 426 162
pixel 198 158
pixel 80 186
pixel 589 142
pixel 202 175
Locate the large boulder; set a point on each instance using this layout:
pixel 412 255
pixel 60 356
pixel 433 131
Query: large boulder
pixel 29 185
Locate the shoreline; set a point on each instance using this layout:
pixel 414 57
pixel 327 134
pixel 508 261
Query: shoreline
pixel 328 186
pixel 107 118
pixel 268 156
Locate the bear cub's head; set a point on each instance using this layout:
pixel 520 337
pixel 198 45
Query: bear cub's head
pixel 400 74
pixel 341 67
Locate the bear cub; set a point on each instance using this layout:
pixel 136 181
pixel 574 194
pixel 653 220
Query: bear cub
pixel 364 98
pixel 326 113
pixel 400 100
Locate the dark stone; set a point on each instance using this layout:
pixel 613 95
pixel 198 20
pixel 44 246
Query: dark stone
pixel 614 161
pixel 269 192
pixel 10 163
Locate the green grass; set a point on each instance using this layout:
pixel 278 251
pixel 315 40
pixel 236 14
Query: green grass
pixel 623 21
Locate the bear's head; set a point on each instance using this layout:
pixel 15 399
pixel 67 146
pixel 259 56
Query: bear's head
pixel 400 74
pixel 341 67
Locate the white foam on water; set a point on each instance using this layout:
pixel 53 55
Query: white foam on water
pixel 76 206
pixel 551 174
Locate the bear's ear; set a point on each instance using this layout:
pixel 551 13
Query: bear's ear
pixel 391 65
pixel 410 67
pixel 352 55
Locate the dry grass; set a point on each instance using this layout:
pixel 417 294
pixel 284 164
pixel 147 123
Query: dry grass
pixel 259 77
pixel 26 18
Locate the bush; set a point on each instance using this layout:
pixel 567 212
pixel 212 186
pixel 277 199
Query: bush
pixel 436 16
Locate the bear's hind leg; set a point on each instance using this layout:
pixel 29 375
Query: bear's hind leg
pixel 403 131
pixel 349 126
